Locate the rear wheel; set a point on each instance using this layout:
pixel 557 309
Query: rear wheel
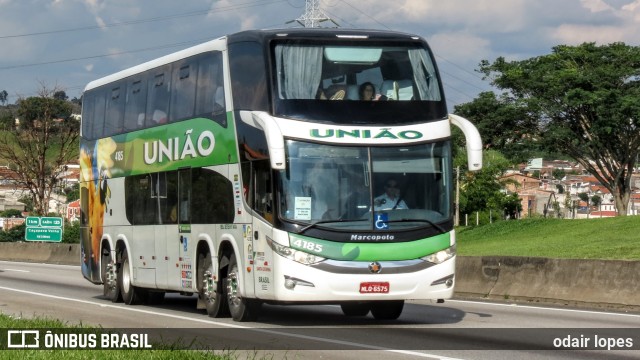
pixel 241 309
pixel 131 295
pixel 110 288
pixel 210 292
pixel 387 310
pixel 356 309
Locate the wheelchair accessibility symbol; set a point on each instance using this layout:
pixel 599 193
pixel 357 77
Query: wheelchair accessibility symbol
pixel 382 221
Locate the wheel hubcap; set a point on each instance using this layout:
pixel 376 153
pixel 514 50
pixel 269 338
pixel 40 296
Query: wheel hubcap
pixel 232 288
pixel 209 286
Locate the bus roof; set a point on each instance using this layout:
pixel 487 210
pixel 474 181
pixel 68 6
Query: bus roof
pixel 261 36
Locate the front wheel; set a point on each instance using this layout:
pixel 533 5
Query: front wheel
pixel 241 309
pixel 387 310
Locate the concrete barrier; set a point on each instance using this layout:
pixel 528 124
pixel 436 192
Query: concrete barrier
pixel 606 283
pixel 41 252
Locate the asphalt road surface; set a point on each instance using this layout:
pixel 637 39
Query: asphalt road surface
pixel 453 330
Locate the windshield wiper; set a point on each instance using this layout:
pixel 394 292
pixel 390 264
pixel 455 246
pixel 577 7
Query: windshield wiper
pixel 327 221
pixel 440 228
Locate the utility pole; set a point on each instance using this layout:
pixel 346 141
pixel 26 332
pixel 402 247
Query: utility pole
pixel 312 16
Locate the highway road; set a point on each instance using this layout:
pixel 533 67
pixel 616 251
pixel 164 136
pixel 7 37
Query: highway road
pixel 454 330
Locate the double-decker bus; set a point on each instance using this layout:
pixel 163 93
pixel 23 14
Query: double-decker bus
pixel 255 168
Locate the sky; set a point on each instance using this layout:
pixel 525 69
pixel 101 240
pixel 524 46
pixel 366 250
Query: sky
pixel 65 44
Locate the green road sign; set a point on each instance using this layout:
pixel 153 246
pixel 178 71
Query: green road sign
pixel 43 234
pixel 51 222
pixel 43 229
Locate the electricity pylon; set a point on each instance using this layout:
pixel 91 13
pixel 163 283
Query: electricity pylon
pixel 312 16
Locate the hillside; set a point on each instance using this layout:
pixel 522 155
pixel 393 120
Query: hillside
pixel 606 238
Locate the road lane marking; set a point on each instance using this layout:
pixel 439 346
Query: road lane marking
pixel 592 312
pixel 15 270
pixel 273 332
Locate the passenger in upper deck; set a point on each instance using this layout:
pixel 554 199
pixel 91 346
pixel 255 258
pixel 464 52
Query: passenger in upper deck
pixel 334 92
pixel 367 92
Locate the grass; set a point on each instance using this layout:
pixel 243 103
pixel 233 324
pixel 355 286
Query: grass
pixel 606 238
pixel 159 351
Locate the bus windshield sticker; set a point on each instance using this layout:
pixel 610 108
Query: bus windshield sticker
pixel 303 208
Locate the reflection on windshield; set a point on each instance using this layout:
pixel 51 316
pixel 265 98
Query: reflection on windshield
pixel 362 188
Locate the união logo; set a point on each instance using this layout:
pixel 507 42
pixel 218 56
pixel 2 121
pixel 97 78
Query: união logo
pixel 173 149
pixel 385 133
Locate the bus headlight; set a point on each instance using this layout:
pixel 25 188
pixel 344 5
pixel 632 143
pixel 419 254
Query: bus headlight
pixel 293 254
pixel 441 256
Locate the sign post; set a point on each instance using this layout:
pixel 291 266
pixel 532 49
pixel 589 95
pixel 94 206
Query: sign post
pixel 43 229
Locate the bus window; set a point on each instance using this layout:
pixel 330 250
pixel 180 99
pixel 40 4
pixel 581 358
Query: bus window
pixel 217 207
pixel 98 116
pixel 114 118
pixel 248 76
pixel 183 94
pixel 158 96
pixel 210 99
pixel 263 193
pixel 184 196
pixel 136 104
pixel 88 115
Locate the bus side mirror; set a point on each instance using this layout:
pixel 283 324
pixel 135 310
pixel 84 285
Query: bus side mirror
pixel 275 140
pixel 474 142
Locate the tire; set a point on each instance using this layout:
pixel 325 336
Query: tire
pixel 110 284
pixel 131 295
pixel 209 292
pixel 387 310
pixel 241 309
pixel 356 308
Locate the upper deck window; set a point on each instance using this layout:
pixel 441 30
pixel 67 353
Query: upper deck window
pixel 320 72
pixel 308 75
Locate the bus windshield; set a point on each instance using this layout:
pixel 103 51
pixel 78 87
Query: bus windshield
pixel 371 82
pixel 366 188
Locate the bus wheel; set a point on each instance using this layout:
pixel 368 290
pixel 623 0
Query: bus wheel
pixel 209 291
pixel 356 309
pixel 110 288
pixel 387 310
pixel 241 309
pixel 130 294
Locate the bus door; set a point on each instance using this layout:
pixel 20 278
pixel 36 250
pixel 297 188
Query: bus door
pixel 180 234
pixel 263 206
pixel 175 233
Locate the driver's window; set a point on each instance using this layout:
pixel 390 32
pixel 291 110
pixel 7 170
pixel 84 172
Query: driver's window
pixel 263 189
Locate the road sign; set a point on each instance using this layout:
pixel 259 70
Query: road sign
pixel 43 229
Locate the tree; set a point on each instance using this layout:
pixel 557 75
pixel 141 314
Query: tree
pixel 482 190
pixel 45 141
pixel 586 100
pixel 504 124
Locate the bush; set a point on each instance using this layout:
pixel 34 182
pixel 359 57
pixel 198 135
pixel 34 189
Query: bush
pixel 71 234
pixel 16 233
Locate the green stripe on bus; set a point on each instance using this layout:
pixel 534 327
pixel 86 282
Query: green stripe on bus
pixel 382 251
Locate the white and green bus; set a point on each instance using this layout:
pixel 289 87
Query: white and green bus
pixel 250 170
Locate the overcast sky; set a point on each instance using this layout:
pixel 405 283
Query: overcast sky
pixel 67 43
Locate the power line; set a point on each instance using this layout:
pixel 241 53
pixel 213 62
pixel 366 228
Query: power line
pixel 105 55
pixel 154 19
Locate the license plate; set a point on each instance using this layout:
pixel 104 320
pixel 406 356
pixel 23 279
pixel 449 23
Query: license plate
pixel 374 288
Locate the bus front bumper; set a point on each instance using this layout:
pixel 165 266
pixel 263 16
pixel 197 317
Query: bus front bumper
pixel 362 281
